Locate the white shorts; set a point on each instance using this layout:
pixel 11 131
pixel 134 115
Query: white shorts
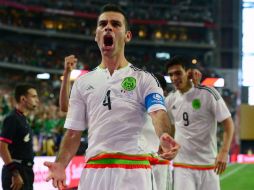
pixel 190 179
pixel 116 179
pixel 162 176
pixel 118 171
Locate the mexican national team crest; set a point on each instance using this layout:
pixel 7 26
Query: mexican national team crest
pixel 196 104
pixel 129 83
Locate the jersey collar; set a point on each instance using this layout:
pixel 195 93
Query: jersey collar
pixel 116 71
pixel 19 112
pixel 188 92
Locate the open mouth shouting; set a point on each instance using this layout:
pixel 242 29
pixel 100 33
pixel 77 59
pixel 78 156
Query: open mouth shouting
pixel 108 42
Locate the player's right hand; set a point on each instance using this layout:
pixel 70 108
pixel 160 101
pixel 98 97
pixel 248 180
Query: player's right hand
pixel 56 174
pixel 70 63
pixel 169 147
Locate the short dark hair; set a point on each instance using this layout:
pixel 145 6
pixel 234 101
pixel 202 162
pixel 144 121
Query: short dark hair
pixel 116 8
pixel 22 90
pixel 184 61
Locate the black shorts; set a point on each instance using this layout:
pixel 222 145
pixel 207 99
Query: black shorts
pixel 26 173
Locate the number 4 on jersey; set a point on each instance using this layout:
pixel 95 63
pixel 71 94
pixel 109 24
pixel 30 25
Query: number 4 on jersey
pixel 106 101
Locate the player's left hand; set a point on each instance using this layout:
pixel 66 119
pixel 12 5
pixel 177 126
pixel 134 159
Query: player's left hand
pixel 56 174
pixel 168 147
pixel 221 162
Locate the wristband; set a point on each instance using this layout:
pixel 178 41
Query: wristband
pixel 12 167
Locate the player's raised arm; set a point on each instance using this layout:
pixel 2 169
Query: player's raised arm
pixel 69 64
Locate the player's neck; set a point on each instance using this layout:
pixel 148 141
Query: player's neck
pixel 186 88
pixel 113 63
pixel 21 109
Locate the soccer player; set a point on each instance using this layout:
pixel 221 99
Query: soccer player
pixel 195 112
pixel 112 103
pixel 148 141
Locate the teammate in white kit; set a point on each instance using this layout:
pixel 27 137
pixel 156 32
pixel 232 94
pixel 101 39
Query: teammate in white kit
pixel 112 103
pixel 195 112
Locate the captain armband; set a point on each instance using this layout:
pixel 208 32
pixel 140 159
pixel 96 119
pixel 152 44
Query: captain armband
pixel 152 99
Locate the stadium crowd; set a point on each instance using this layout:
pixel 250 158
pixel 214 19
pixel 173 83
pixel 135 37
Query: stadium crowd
pixel 159 26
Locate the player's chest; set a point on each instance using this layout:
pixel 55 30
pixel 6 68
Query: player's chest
pixel 114 88
pixel 189 108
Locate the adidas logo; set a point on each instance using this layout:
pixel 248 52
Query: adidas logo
pixel 173 107
pixel 89 87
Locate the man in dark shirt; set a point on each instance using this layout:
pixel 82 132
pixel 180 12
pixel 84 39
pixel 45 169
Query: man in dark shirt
pixel 16 147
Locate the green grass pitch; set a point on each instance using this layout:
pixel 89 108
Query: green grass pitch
pixel 238 177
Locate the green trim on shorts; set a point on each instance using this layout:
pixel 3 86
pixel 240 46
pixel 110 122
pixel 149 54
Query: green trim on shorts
pixel 119 161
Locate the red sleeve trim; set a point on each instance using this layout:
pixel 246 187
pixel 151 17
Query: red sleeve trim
pixel 6 140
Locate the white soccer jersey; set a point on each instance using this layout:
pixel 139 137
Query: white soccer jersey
pixel 113 108
pixel 195 115
pixel 149 141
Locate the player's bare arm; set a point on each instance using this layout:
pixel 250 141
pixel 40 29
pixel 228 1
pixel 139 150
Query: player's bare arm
pixel 222 157
pixel 70 63
pixel 66 153
pixel 169 147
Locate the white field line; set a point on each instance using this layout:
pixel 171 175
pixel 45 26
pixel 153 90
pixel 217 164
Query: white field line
pixel 233 171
